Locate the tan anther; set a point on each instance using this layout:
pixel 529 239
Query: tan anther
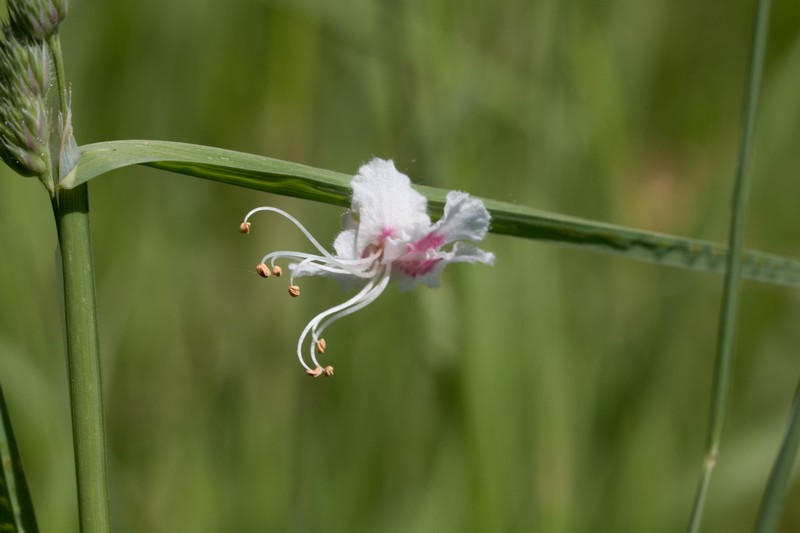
pixel 263 270
pixel 277 270
pixel 316 372
pixel 321 345
pixel 328 371
pixel 294 290
pixel 244 228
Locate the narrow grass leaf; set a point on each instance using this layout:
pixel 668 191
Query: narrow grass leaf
pixel 16 506
pixel 775 494
pixel 301 181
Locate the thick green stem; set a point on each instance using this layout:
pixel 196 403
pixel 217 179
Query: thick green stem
pixel 83 360
pixel 83 346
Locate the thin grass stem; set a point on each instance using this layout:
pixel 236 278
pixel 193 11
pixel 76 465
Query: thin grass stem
pixel 730 296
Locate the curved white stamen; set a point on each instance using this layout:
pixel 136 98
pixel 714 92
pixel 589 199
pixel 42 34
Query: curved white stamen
pixel 295 256
pixel 297 223
pixel 368 298
pixel 366 266
pixel 364 270
pixel 318 260
pixel 354 267
pixel 312 260
pixel 376 291
pixel 328 268
pixel 345 263
pixel 352 301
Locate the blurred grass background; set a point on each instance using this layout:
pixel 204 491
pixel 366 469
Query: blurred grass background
pixel 555 391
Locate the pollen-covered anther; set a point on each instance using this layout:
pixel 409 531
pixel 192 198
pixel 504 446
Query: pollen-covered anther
pixel 263 270
pixel 294 290
pixel 321 345
pixel 277 271
pixel 244 228
pixel 317 372
pixel 328 370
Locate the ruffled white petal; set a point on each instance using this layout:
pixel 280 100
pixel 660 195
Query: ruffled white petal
pixel 465 218
pixel 464 252
pixel 386 205
pixel 345 244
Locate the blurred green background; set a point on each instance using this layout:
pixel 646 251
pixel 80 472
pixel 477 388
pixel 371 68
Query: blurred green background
pixel 556 391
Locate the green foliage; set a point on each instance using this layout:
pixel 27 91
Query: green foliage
pixel 16 508
pixel 729 312
pixel 771 512
pixel 300 181
pixel 557 391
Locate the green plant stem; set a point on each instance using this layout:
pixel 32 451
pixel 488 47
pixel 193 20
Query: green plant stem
pixel 772 505
pixel 83 360
pixel 83 347
pixel 730 296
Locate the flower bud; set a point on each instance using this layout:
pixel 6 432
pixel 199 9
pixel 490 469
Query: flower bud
pixel 24 124
pixel 25 67
pixel 23 135
pixel 36 19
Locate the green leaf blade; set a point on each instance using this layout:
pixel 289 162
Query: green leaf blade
pixel 217 164
pixel 16 506
pixel 309 183
pixel 774 499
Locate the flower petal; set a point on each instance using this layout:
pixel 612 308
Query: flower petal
pixel 345 245
pixel 425 267
pixel 386 206
pixel 465 218
pixel 464 252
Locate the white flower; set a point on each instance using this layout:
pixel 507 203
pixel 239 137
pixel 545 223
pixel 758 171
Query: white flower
pixel 387 236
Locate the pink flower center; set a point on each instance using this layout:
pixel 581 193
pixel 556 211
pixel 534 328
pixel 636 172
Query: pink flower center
pixel 385 234
pixel 421 267
pixel 417 268
pixel 431 241
pixel 382 236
